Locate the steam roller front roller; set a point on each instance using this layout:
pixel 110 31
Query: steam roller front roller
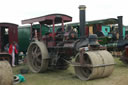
pixel 95 64
pixel 37 57
pixel 6 74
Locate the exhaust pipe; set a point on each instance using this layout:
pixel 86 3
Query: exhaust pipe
pixel 120 27
pixel 82 20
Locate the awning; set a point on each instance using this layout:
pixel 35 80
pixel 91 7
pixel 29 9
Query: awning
pixel 48 19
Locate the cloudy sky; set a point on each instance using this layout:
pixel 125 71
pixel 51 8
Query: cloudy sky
pixel 16 10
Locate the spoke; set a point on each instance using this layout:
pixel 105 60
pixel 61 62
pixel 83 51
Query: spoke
pixel 38 60
pixel 35 51
pixel 32 57
pixel 33 48
pixel 38 54
pixel 32 53
pixel 36 63
pixel 36 48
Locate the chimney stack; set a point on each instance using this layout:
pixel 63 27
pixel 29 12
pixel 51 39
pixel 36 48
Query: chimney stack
pixel 120 27
pixel 82 20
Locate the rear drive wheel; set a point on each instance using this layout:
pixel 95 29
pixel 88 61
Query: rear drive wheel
pixel 37 57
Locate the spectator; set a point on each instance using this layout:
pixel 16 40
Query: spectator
pixel 16 54
pixel 13 51
pixel 6 47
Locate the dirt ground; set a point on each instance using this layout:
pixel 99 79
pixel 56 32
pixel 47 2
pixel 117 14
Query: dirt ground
pixel 67 77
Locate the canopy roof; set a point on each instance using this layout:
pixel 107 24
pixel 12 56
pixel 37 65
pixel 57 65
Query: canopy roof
pixel 102 21
pixel 48 19
pixel 6 24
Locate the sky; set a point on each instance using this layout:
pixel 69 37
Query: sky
pixel 14 11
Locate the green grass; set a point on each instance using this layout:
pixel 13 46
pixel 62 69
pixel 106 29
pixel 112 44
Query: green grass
pixel 67 77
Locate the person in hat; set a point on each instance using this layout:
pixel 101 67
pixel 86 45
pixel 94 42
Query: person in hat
pixel 93 42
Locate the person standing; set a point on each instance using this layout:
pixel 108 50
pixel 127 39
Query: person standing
pixel 13 51
pixel 6 47
pixel 16 54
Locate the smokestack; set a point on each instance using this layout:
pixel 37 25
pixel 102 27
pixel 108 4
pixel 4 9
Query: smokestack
pixel 82 20
pixel 120 27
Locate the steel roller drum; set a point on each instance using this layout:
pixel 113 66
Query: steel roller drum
pixel 100 64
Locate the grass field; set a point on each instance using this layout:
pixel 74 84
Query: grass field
pixel 67 77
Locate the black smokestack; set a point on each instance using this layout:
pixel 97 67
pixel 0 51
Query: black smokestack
pixel 82 20
pixel 120 27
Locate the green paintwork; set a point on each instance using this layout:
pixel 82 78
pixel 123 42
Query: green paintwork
pixel 111 45
pixel 24 38
pixel 102 21
pixel 124 32
pixel 103 40
pixel 105 30
pixel 24 35
pixel 44 28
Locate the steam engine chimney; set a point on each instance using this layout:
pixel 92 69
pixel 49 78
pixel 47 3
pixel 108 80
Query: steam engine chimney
pixel 120 27
pixel 82 20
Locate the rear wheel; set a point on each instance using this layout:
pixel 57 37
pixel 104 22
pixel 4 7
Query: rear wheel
pixel 37 57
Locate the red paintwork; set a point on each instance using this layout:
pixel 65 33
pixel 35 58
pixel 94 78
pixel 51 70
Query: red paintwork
pixel 62 25
pixel 48 19
pixel 99 27
pixel 51 44
pixel 12 30
pixel 51 19
pixel 86 31
pixel 53 31
pixel 11 49
pixel 126 50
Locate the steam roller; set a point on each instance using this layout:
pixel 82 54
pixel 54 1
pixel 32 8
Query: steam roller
pixel 94 64
pixel 57 52
pixel 6 74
